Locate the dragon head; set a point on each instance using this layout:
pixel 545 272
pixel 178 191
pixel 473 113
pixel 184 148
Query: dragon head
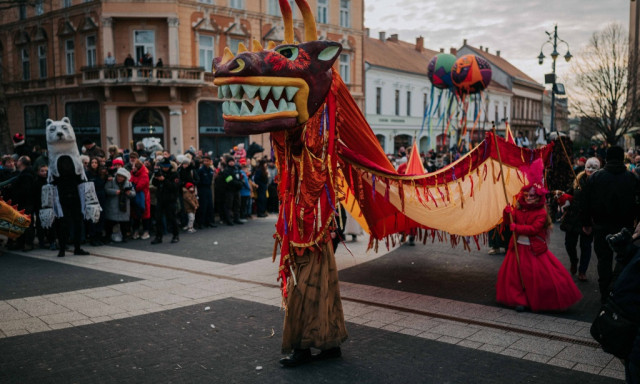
pixel 13 223
pixel 279 87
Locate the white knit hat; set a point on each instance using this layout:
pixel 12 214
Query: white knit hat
pixel 123 172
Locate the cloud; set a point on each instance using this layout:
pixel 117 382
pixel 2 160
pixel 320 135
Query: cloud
pixel 516 28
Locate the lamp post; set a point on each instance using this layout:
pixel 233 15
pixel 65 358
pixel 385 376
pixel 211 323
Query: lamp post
pixel 551 78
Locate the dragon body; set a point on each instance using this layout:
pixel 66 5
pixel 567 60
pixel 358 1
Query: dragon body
pixel 13 222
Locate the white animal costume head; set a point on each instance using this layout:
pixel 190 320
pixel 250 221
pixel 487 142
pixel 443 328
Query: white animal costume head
pixel 61 141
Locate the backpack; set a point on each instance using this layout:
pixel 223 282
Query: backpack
pixel 613 330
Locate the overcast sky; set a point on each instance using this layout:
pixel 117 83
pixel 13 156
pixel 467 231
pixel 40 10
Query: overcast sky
pixel 515 27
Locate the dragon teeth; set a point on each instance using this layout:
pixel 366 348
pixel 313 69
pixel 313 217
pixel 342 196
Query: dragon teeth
pixel 234 109
pixel 220 93
pixel 277 92
pixel 264 91
pixel 250 90
pixel 257 110
pixel 244 110
pixel 236 91
pixel 282 106
pixel 225 108
pixel 271 108
pixel 290 92
pixel 291 106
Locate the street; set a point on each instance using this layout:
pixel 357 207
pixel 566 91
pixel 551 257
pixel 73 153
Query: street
pixel 208 309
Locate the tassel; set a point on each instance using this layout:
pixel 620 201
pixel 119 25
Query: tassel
pixel 432 198
pixel 461 195
pixel 401 193
pixel 471 180
pixel 386 191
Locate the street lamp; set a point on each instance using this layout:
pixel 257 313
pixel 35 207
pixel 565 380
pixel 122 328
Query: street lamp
pixel 551 78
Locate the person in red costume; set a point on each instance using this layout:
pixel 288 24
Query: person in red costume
pixel 533 278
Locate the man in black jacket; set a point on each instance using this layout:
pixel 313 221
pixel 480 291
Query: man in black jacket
pixel 167 183
pixel 23 193
pixel 609 203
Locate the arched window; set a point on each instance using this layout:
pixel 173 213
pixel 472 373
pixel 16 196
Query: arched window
pixel 148 122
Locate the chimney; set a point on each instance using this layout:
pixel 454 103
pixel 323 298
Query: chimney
pixel 441 50
pixel 383 36
pixel 498 53
pixel 367 32
pixel 481 49
pixel 453 51
pixel 419 43
pixel 394 37
pixel 464 41
pixel 486 49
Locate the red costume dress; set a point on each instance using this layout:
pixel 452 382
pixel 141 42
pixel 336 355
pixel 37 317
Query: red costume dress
pixel 547 284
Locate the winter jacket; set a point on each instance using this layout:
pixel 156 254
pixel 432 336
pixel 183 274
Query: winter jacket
pixel 141 180
pixel 206 176
pixel 188 175
pixel 112 207
pixel 571 221
pixel 610 197
pixel 530 223
pixel 167 190
pixel 190 201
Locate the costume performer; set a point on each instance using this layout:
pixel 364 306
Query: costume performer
pixel 69 196
pixel 533 277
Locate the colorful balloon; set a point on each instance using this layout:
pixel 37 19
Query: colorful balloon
pixel 439 70
pixel 471 74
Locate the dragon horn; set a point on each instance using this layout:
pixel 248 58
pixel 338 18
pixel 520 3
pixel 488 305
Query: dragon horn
pixel 310 30
pixel 287 17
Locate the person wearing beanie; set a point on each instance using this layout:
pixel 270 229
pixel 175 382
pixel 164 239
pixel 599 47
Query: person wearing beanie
pixel 190 205
pixel 91 149
pixel 20 147
pixel 120 192
pixel 609 204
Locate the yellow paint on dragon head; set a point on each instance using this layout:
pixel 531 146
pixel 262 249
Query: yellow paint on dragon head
pixel 13 223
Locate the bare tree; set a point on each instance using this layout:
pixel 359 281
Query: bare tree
pixel 602 73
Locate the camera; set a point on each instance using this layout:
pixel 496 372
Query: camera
pixel 128 189
pixel 619 241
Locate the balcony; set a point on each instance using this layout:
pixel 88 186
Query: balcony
pixel 161 76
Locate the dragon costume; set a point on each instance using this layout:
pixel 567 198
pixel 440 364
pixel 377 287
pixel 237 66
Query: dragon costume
pixel 13 222
pixel 327 157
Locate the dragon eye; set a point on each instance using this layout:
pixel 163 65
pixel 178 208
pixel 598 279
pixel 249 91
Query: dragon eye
pixel 239 66
pixel 289 52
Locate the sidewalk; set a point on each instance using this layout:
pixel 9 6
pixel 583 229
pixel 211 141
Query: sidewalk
pixel 146 315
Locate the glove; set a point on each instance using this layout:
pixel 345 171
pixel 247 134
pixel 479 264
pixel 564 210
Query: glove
pixel 512 227
pixel 508 209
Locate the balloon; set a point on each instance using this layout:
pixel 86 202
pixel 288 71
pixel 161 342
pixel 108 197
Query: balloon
pixel 471 74
pixel 439 70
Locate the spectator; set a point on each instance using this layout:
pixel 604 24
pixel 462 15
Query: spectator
pixel 19 146
pixel 109 61
pixel 129 62
pixel 610 203
pixel 261 177
pixel 245 191
pixel 91 149
pixel 23 193
pixel 206 175
pixel 159 64
pixel 99 179
pixel 119 192
pixel 141 150
pixel 167 183
pixel 140 181
pixel 8 168
pixel 190 205
pixel 521 140
pixel 231 187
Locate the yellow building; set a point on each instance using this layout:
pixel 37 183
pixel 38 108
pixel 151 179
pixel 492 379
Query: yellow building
pixel 55 62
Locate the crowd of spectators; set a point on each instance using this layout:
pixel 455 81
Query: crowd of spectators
pixel 144 194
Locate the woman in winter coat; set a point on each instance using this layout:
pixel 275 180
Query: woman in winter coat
pixel 572 225
pixel 140 179
pixel 120 192
pixel 93 174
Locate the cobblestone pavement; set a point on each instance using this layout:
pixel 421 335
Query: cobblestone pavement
pixel 208 310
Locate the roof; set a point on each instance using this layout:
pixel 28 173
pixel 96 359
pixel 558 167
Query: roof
pixel 494 86
pixel 503 64
pixel 397 55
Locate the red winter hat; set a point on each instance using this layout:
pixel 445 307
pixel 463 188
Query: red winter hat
pixel 118 161
pixel 18 139
pixel 188 185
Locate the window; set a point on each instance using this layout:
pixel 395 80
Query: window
pixel 70 55
pixel 205 1
pixel 408 103
pixel 26 66
pixel 397 102
pixel 144 41
pixel 85 116
pixel 323 12
pixel 238 4
pixel 42 61
pixel 344 13
pixel 273 8
pixel 497 119
pixel 66 3
pixel 206 52
pixel 35 117
pixel 233 44
pixel 378 101
pixel 91 51
pixel 424 103
pixel 23 11
pixel 345 68
pixel 39 7
pixel 504 116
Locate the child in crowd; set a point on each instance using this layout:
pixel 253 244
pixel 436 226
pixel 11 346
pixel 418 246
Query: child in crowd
pixel 190 205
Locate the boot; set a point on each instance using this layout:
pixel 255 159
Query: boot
pixel 80 252
pixel 157 240
pixel 175 239
pixel 331 353
pixel 298 357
